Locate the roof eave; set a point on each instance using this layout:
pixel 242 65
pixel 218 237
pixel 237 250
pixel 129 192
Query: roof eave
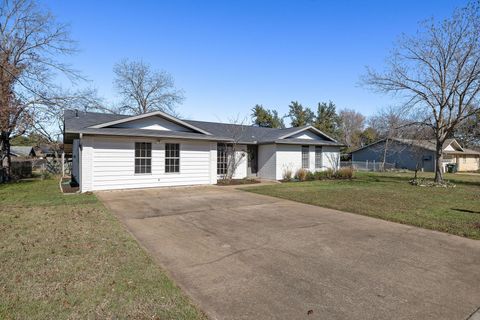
pixel 306 142
pixel 160 136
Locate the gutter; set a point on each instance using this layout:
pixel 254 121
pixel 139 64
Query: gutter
pixel 145 135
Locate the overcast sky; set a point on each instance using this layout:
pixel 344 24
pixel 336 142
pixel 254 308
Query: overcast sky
pixel 230 55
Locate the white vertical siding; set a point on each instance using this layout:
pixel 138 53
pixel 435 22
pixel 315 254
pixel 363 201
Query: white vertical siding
pixel 311 159
pixel 86 162
pixel 241 156
pixel 288 157
pixel 267 161
pixel 113 164
pixel 213 163
pixel 331 157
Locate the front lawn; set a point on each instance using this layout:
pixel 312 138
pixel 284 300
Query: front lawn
pixel 67 257
pixel 389 196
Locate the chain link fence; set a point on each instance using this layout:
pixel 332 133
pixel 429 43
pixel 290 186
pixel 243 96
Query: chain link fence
pixel 367 165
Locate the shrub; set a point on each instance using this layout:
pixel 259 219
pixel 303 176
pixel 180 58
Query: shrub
pixel 287 174
pixel 301 174
pixel 310 176
pixel 329 174
pixel 318 175
pixel 345 173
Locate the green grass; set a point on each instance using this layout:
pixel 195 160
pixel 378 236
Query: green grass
pixel 389 196
pixel 67 257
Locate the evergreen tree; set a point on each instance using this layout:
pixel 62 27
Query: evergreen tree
pixel 263 117
pixel 300 116
pixel 326 119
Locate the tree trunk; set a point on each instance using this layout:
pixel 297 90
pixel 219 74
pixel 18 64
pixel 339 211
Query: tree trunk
pixel 385 150
pixel 439 162
pixel 6 160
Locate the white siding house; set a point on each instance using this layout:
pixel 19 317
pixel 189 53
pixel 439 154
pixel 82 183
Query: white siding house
pixel 157 150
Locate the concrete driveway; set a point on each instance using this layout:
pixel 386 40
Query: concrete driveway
pixel 246 256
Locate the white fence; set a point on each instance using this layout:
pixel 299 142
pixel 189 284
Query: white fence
pixel 367 165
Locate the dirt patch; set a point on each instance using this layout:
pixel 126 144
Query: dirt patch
pixel 69 186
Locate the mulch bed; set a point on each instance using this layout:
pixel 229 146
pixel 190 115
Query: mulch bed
pixel 236 182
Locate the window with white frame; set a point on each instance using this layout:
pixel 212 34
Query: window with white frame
pixel 222 159
pixel 143 157
pixel 318 157
pixel 172 157
pixel 305 157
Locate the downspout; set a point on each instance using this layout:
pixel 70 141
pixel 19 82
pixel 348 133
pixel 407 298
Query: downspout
pixel 80 161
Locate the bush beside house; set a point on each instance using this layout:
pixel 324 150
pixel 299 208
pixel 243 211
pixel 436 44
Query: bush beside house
pixel 329 174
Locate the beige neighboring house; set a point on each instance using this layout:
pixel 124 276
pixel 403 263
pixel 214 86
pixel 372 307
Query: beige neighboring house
pixel 465 159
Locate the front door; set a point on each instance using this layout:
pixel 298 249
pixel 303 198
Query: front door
pixel 252 154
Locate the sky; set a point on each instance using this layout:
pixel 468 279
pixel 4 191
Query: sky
pixel 228 56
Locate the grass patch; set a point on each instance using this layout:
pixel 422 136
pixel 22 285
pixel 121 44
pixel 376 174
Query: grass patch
pixel 67 257
pixel 389 196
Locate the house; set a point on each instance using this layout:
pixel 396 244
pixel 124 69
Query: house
pixel 156 149
pixel 407 154
pixel 45 151
pixel 22 152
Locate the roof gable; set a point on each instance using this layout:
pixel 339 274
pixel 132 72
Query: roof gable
pixel 307 133
pixel 152 121
pixel 22 151
pixel 452 145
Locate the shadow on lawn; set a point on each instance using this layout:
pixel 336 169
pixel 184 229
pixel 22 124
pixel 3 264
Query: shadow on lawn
pixel 405 178
pixel 465 210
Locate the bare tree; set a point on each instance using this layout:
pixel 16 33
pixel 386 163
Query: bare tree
pixel 351 127
pixel 31 44
pixel 437 72
pixel 389 123
pixel 145 90
pixel 468 132
pixel 49 120
pixel 416 146
pixel 233 152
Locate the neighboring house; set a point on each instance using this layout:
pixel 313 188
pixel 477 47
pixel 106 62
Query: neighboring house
pixel 407 154
pixel 22 152
pixel 155 149
pixel 45 151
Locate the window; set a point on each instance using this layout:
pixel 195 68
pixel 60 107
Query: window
pixel 172 157
pixel 305 157
pixel 143 157
pixel 222 157
pixel 464 159
pixel 318 157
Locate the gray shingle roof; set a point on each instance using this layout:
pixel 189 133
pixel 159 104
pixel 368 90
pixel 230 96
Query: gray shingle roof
pixel 219 131
pixel 22 151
